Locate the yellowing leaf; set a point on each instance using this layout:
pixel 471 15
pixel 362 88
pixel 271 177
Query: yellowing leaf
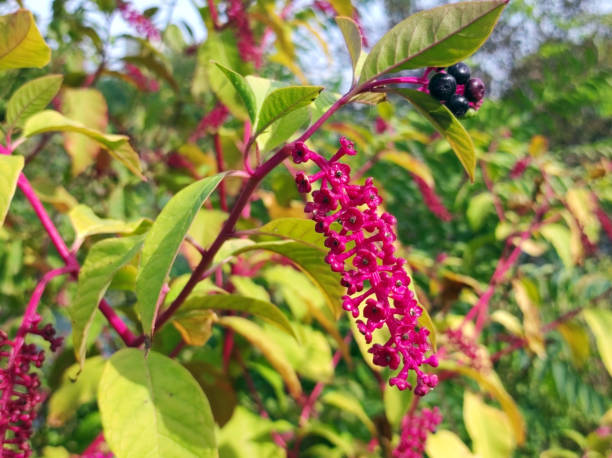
pixel 195 325
pixel 10 168
pixel 86 223
pixel 600 322
pixel 411 164
pixel 88 107
pixel 578 341
pixel 445 444
pixel 21 44
pixel 538 145
pixel 271 351
pixel 524 295
pixel 488 427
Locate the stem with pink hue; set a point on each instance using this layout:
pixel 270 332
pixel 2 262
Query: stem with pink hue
pixel 220 168
pixel 316 392
pixel 480 309
pixel 71 263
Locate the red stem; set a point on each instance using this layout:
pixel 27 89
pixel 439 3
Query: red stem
pixel 220 168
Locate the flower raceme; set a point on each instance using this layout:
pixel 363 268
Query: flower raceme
pixel 360 242
pixel 19 388
pixel 142 24
pixel 415 427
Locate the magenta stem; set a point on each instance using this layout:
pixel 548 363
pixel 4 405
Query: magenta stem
pixel 71 263
pixel 220 168
pixel 316 391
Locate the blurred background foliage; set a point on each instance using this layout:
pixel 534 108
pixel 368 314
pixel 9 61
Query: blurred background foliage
pixel 548 65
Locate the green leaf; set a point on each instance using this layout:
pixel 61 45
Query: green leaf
pixel 86 106
pixel 242 87
pixel 162 244
pixel 117 145
pixel 433 38
pixel 104 259
pixel 479 207
pixel 488 427
pixel 283 101
pixel 444 443
pixel 195 325
pixel 245 286
pixel 32 97
pixel 21 45
pixel 74 392
pixel 152 406
pixel 309 260
pixel 351 405
pixel 282 129
pixel 262 309
pixel 600 322
pixel 271 351
pixel 397 403
pixel 352 38
pixel 560 237
pixel 297 229
pixel 86 223
pixel 10 168
pixel 445 123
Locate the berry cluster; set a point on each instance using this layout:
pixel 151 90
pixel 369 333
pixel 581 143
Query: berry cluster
pixel 19 388
pixel 142 24
pixel 356 234
pixel 456 89
pixel 415 427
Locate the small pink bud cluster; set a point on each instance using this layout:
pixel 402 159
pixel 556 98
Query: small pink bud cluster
pixel 431 199
pixel 141 23
pixel 468 347
pixel 247 48
pixel 358 236
pixel 211 121
pixel 415 428
pixel 519 167
pixel 140 80
pixel 19 388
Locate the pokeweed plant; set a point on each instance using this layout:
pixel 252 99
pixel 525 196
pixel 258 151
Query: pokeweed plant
pixel 206 264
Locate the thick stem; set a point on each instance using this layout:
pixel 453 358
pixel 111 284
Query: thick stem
pixel 226 232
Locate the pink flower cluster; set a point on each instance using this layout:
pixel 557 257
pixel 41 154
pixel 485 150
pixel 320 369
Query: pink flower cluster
pixel 247 48
pixel 431 199
pixel 140 80
pixel 19 388
pixel 212 120
pixel 519 167
pixel 468 347
pixel 358 236
pixel 141 23
pixel 415 428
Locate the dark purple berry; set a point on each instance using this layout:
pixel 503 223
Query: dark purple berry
pixel 460 71
pixel 458 105
pixel 442 86
pixel 475 90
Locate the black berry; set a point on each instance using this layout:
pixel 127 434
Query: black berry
pixel 458 105
pixel 442 86
pixel 460 71
pixel 475 90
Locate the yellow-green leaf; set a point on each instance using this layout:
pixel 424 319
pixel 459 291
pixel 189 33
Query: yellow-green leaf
pixel 86 223
pixel 32 97
pixel 350 405
pixel 162 244
pixel 283 101
pixel 74 392
pixel 352 38
pixel 271 351
pixel 21 44
pixel 445 123
pixel 600 322
pixel 444 444
pixel 10 168
pixel 488 427
pixel 117 145
pixel 152 406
